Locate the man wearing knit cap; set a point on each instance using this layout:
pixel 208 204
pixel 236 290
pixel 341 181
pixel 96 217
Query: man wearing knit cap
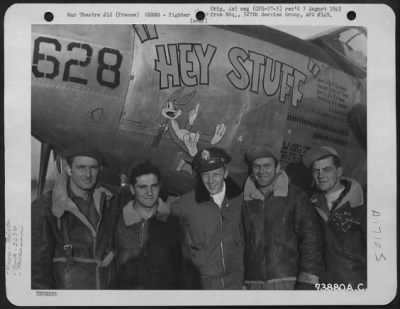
pixel 211 217
pixel 72 227
pixel 283 241
pixel 339 202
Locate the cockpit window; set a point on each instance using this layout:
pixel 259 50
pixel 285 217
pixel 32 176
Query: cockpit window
pixel 355 45
pixel 351 43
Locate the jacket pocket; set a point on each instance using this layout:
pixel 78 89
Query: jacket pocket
pixel 354 257
pixel 238 240
pixel 197 256
pixel 350 255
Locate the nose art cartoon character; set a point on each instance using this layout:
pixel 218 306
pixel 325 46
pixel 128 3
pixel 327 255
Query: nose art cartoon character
pixel 184 137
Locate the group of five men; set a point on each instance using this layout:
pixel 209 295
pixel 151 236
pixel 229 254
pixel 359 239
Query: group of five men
pixel 268 235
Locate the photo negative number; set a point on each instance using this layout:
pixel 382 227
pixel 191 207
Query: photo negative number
pixel 105 63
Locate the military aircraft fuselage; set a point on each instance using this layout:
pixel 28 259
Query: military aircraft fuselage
pixel 164 92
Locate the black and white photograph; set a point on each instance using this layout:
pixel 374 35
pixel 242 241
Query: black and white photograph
pixel 197 158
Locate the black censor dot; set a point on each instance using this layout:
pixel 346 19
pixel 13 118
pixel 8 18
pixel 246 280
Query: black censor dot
pixel 351 15
pixel 48 16
pixel 200 15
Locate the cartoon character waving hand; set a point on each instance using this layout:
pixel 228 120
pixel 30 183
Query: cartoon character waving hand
pixel 184 137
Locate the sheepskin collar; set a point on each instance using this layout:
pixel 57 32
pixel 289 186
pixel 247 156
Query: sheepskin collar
pixel 132 216
pixel 280 187
pixel 61 201
pixel 202 195
pixel 353 194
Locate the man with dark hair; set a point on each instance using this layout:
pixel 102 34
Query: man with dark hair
pixel 211 217
pixel 283 241
pixel 147 238
pixel 339 201
pixel 72 227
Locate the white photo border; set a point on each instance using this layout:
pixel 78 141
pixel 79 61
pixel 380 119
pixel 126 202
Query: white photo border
pixel 379 19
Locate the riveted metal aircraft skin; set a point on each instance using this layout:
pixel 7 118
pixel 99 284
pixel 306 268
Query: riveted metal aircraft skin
pixel 164 92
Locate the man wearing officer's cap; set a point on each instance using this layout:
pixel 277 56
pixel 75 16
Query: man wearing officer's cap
pixel 339 202
pixel 211 216
pixel 283 243
pixel 72 227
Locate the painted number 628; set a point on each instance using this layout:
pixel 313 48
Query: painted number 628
pixel 102 66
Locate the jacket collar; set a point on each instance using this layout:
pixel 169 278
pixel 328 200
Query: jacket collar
pixel 62 203
pixel 354 194
pixel 132 216
pixel 280 187
pixel 202 195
